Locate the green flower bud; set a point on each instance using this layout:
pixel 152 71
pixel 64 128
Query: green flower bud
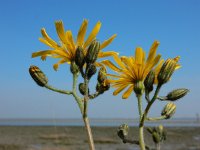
pixel 92 52
pixel 139 88
pixel 156 137
pixel 167 70
pixel 149 81
pixel 38 76
pixel 102 87
pixel 102 75
pixel 123 131
pixel 79 57
pixel 169 110
pixel 82 89
pixel 91 70
pixel 176 94
pixel 74 68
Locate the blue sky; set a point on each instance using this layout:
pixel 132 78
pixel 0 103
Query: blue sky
pixel 176 24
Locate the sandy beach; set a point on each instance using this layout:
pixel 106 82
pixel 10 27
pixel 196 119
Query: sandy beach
pixel 74 138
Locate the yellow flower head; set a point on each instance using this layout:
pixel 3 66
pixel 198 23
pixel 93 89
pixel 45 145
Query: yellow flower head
pixel 65 50
pixel 132 69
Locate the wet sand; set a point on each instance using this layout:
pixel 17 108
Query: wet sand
pixel 74 138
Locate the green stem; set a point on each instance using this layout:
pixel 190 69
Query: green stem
pixel 77 98
pixel 156 118
pixel 149 105
pixel 85 118
pixel 58 90
pixel 141 132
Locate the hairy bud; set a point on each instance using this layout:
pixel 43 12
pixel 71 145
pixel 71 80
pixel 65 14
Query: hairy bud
pixel 139 88
pixel 92 52
pixel 176 94
pixel 91 70
pixel 74 68
pixel 82 89
pixel 38 76
pixel 102 75
pixel 149 81
pixel 167 70
pixel 79 57
pixel 169 110
pixel 123 131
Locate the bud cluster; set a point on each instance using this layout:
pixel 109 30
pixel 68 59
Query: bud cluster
pixel 89 59
pixel 158 134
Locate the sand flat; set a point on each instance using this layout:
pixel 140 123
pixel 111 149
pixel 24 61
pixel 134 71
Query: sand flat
pixel 74 138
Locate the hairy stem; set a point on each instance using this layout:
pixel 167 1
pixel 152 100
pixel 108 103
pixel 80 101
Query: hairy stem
pixel 149 105
pixel 77 98
pixel 156 118
pixel 85 118
pixel 141 134
pixel 58 90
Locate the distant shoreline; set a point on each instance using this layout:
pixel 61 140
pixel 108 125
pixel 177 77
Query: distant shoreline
pixel 178 122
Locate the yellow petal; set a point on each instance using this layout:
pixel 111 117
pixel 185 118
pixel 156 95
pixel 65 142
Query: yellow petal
pixel 93 34
pixel 111 65
pixel 107 54
pixel 138 55
pixel 156 60
pixel 176 58
pixel 152 52
pixel 112 75
pixel 107 42
pixel 158 67
pixel 128 92
pixel 44 57
pixel 49 40
pixel 81 33
pixel 177 66
pixel 98 64
pixel 61 31
pixel 50 52
pixel 70 43
pixel 118 61
pixel 55 66
pixel 117 91
pixel 45 42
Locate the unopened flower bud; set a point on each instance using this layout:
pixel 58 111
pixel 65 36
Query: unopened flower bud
pixel 156 137
pixel 79 57
pixel 149 81
pixel 91 70
pixel 169 110
pixel 82 89
pixel 139 88
pixel 102 87
pixel 102 75
pixel 167 70
pixel 176 94
pixel 38 76
pixel 74 68
pixel 92 52
pixel 123 131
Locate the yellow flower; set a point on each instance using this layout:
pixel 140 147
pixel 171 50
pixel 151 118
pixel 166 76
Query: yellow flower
pixel 65 50
pixel 132 70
